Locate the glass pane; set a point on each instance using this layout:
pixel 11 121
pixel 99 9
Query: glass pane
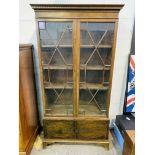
pixel 94 33
pixel 95 63
pixel 92 102
pixel 61 105
pixel 92 76
pixel 57 61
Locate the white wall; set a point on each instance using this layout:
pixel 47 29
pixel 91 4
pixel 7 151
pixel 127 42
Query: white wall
pixel 125 28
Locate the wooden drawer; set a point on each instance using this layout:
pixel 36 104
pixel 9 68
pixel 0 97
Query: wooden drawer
pixel 92 129
pixel 59 129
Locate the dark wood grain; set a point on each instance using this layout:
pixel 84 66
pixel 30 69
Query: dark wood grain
pixel 92 129
pixel 58 129
pixel 81 129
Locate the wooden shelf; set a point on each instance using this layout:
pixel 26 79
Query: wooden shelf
pixel 82 67
pixel 90 109
pixel 57 67
pixel 48 85
pixel 92 46
pixel 67 109
pixel 53 46
pixel 81 46
pixel 106 83
pixel 92 86
pixel 59 109
pixel 95 67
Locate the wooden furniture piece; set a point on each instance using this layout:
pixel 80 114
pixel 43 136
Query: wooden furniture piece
pixel 28 122
pixel 76 46
pixel 129 142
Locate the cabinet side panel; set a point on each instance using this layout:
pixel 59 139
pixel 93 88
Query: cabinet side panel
pixel 27 104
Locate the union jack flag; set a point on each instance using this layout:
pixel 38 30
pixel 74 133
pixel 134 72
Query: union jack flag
pixel 130 104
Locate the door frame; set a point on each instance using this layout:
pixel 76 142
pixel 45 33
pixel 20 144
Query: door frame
pixel 77 59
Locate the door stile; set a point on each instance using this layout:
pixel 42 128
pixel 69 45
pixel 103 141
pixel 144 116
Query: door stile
pixel 112 66
pixel 41 68
pixel 76 64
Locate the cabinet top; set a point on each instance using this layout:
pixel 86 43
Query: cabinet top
pixel 107 7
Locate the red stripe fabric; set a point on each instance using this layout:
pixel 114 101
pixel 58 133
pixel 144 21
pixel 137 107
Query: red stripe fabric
pixel 131 100
pixel 132 62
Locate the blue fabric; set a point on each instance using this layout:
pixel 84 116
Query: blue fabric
pixel 119 136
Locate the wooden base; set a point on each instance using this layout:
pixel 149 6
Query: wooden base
pixel 104 143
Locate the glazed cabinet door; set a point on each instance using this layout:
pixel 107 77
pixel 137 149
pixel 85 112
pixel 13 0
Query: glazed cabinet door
pixel 76 59
pixel 57 66
pixel 96 41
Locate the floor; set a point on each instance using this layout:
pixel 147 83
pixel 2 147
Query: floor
pixel 66 149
